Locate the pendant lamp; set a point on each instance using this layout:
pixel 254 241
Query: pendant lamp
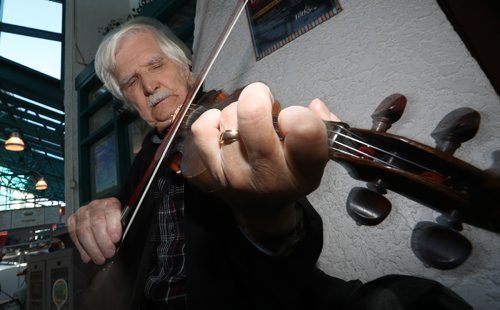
pixel 14 143
pixel 41 184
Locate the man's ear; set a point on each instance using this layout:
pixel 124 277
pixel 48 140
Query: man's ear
pixel 187 75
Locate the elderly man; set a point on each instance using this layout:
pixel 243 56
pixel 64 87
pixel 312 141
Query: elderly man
pixel 254 242
pixel 249 240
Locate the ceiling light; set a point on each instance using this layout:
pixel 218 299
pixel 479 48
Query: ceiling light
pixel 41 184
pixel 14 143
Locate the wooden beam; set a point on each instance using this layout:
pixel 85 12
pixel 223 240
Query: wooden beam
pixel 31 84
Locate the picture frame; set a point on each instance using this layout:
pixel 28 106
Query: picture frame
pixel 275 23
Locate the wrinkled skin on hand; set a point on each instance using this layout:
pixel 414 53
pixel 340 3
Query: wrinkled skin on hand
pixel 96 229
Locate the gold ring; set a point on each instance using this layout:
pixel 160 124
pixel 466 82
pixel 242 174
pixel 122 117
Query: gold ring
pixel 229 136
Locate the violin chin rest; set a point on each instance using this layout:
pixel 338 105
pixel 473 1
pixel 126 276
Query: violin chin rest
pixel 439 246
pixel 367 207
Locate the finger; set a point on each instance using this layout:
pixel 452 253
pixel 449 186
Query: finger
pixel 113 219
pixel 86 236
pixel 255 122
pixel 206 134
pixel 320 108
pixel 228 118
pixel 233 153
pixel 72 233
pixel 100 231
pixel 305 143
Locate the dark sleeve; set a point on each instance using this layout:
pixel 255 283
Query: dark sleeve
pixel 311 245
pixel 225 268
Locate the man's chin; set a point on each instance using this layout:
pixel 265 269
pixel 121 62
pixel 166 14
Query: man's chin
pixel 161 126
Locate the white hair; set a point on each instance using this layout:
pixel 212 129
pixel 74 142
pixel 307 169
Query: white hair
pixel 170 44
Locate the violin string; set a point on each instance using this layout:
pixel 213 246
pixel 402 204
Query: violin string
pixel 365 154
pixel 373 147
pixel 356 152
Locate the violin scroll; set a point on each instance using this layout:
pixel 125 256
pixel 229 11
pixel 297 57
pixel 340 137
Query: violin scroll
pixel 460 192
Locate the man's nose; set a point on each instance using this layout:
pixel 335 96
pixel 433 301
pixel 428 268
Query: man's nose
pixel 149 85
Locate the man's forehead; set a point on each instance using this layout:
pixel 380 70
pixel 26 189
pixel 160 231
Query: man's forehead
pixel 139 50
pixel 125 72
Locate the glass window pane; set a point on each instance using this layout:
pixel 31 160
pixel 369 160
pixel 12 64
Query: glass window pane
pixel 101 117
pixel 39 54
pixel 97 91
pixel 103 165
pixel 137 130
pixel 38 14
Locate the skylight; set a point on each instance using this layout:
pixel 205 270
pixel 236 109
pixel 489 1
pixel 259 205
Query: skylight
pixel 37 14
pixel 32 49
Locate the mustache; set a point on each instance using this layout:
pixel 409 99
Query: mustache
pixel 157 96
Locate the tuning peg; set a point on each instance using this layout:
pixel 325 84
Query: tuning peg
pixel 378 187
pixel 489 195
pixel 439 246
pixel 455 128
pixel 367 207
pixel 388 112
pixel 451 220
pixel 495 167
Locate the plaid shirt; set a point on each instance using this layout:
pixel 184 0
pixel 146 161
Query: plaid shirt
pixel 166 281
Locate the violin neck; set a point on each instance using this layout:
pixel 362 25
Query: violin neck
pixel 338 134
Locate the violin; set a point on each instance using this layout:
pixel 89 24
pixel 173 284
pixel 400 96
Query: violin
pixel 431 176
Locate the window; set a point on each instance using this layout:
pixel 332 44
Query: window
pixel 31 34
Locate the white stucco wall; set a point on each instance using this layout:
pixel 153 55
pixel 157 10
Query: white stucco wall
pixel 352 62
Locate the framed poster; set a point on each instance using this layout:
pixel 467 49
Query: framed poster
pixel 274 23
